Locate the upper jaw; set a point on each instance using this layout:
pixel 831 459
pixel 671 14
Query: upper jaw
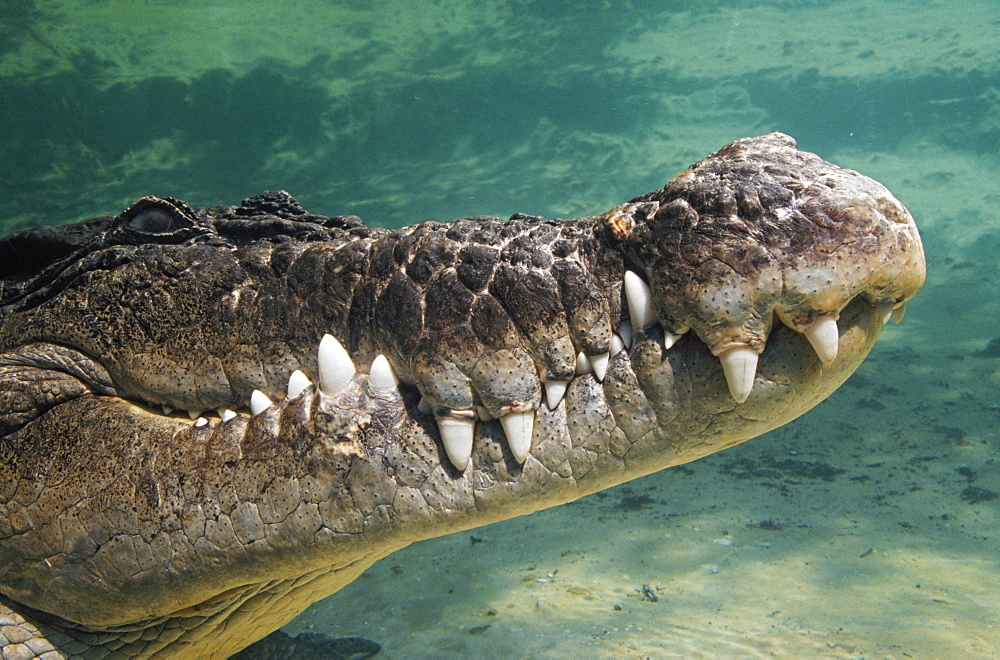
pixel 760 230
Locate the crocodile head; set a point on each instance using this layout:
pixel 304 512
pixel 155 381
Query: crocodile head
pixel 344 390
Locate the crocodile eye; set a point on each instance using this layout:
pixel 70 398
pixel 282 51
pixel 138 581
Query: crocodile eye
pixel 152 221
pixel 157 220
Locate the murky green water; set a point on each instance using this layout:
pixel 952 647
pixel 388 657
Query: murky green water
pixel 868 528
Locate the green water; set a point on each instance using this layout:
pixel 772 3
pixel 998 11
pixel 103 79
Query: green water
pixel 402 111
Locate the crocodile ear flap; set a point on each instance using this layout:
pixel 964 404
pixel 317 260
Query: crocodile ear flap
pixel 623 219
pixel 156 220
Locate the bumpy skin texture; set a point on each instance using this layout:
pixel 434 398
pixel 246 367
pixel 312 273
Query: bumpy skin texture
pixel 125 531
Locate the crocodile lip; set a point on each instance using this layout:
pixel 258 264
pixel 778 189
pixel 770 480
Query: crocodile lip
pixel 336 381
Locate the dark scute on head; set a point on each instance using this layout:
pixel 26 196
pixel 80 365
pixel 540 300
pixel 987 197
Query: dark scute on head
pixel 448 301
pixel 530 297
pixel 476 264
pixel 435 253
pixel 491 325
pixel 271 202
pixel 398 313
pixel 274 214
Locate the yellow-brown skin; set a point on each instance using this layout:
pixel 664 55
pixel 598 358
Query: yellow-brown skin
pixel 127 530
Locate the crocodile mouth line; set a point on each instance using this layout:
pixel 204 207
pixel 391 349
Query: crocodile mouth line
pixel 336 371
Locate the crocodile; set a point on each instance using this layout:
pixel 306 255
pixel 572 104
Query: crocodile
pixel 211 418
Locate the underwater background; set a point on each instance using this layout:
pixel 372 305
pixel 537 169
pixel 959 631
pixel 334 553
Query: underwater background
pixel 870 527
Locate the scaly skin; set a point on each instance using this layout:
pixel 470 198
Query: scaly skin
pixel 126 531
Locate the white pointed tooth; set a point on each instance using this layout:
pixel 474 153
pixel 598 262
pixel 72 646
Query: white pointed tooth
pixel 640 301
pixel 201 421
pixel 740 366
pixel 484 414
pixel 258 402
pixel 227 415
pixel 899 312
pixel 424 406
pixel 518 427
pixel 600 365
pixel 824 337
pixel 381 376
pixel 555 390
pixel 336 369
pixel 617 345
pixel 884 310
pixel 457 434
pixel 167 409
pixel 194 413
pixel 582 364
pixel 669 339
pixel 625 330
pixel 297 382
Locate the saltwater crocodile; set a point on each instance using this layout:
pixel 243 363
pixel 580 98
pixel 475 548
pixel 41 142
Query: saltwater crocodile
pixel 211 418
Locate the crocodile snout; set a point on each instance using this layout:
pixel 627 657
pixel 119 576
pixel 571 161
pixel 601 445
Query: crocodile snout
pixel 758 230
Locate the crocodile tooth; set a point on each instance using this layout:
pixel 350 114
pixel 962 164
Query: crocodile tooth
pixel 740 366
pixel 227 415
pixel 297 382
pixel 194 413
pixel 898 313
pixel 201 421
pixel 258 402
pixel 884 310
pixel 617 345
pixel 600 365
pixel 669 339
pixel 381 376
pixel 625 331
pixel 582 364
pixel 518 427
pixel 555 390
pixel 640 301
pixel 457 434
pixel 824 337
pixel 484 414
pixel 167 409
pixel 336 369
pixel 424 406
